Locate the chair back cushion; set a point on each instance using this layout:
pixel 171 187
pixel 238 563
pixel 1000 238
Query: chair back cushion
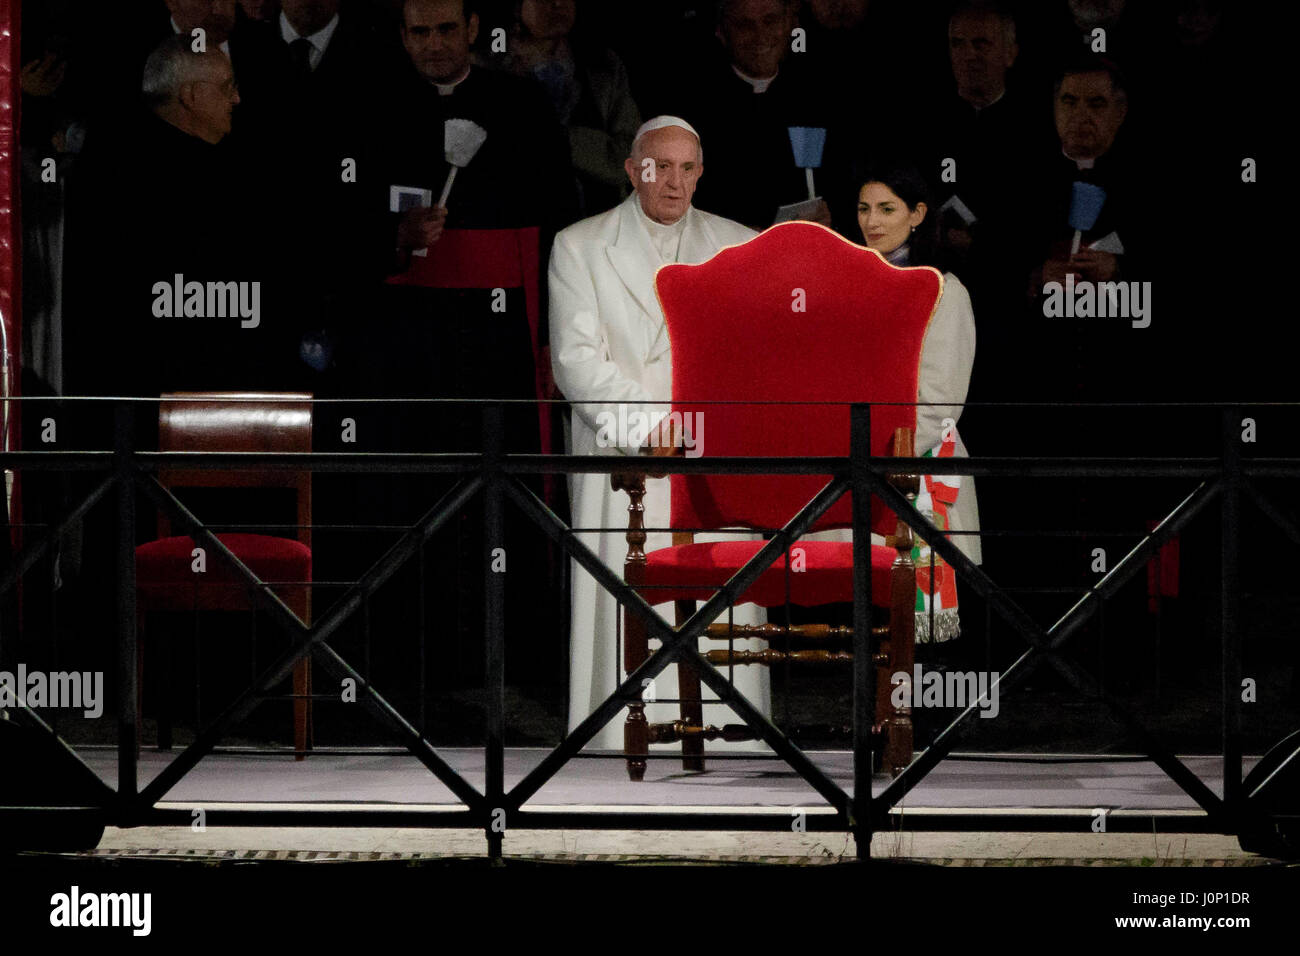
pixel 801 316
pixel 234 422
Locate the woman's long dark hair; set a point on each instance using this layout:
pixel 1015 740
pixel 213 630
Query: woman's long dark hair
pixel 905 182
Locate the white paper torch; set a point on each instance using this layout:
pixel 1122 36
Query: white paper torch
pixel 461 142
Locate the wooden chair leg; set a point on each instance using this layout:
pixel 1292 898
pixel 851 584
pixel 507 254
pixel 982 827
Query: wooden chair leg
pixel 636 642
pixel 636 731
pixel 688 691
pixel 902 645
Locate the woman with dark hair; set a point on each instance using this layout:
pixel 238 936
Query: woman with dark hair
pixel 588 86
pixel 898 192
pixel 894 216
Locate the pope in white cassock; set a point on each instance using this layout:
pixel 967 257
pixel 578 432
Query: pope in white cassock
pixel 610 353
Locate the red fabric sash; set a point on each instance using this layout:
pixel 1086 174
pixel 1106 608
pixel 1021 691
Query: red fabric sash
pixel 489 259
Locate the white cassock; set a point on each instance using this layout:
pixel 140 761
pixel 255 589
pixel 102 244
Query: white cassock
pixel 609 345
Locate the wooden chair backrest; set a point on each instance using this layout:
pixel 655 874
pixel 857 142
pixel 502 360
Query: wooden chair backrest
pixel 772 341
pixel 238 422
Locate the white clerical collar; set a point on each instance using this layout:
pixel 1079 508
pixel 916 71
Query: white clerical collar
pixel 225 44
pixel 1079 163
pixel 320 40
pixel 760 86
pixel 666 239
pixel 446 89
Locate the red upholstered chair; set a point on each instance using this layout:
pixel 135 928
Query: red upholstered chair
pixel 796 315
pixel 165 579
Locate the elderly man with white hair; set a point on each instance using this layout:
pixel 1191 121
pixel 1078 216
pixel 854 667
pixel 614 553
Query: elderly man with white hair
pixel 610 354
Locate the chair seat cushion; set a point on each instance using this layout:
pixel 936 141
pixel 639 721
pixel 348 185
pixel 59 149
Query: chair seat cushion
pixel 695 571
pixel 169 561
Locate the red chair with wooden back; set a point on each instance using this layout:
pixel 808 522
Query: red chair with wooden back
pixel 165 576
pixel 795 315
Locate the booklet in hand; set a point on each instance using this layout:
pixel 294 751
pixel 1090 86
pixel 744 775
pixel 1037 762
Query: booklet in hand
pixel 402 198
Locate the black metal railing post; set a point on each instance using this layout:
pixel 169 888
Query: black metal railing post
pixel 494 594
pixel 128 717
pixel 1230 636
pixel 864 671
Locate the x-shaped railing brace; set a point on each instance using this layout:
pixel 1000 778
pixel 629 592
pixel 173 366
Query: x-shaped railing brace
pixel 1224 811
pixel 311 640
pixel 1046 643
pixel 677 644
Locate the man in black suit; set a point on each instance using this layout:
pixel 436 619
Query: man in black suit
pixel 332 73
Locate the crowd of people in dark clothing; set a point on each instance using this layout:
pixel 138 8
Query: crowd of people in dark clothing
pixel 1001 107
pixel 275 167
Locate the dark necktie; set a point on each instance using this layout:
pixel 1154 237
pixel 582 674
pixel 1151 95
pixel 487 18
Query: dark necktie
pixel 301 49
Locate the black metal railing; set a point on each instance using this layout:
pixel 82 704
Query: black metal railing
pixel 498 476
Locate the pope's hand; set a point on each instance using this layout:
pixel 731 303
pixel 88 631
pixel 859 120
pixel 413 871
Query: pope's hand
pixel 666 439
pixel 421 227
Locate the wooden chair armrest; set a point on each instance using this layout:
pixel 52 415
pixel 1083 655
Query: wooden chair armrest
pixel 628 481
pixel 665 443
pixel 904 446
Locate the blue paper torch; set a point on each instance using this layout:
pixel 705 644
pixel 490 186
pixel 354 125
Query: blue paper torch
pixel 808 142
pixel 1086 201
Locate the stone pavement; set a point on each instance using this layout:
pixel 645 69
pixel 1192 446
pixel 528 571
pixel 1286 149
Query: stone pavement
pixel 955 849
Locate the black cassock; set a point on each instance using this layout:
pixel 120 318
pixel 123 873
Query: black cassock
pixel 749 163
pixel 446 344
pixel 424 342
pixel 155 204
